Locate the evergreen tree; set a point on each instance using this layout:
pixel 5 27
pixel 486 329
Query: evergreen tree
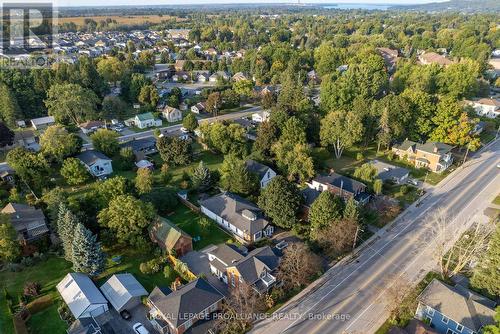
pixel 66 224
pixel 324 211
pixel 87 255
pixel 486 274
pixel 201 177
pixel 9 245
pixel 351 210
pixel 9 109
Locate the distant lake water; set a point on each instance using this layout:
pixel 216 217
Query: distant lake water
pixel 357 6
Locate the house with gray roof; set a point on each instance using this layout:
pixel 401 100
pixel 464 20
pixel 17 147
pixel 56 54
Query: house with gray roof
pixel 256 269
pixel 123 291
pixel 242 218
pixel 342 186
pixel 83 298
pixel 42 122
pixel 97 163
pixel 175 312
pixel 388 172
pixel 454 309
pixel 28 221
pixel 434 156
pixel 263 172
pixel 142 147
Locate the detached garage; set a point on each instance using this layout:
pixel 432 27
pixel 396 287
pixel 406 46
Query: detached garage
pixel 123 291
pixel 81 295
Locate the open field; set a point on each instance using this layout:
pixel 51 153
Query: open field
pixel 130 20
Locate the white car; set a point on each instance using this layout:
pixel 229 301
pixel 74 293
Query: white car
pixel 140 329
pixel 184 130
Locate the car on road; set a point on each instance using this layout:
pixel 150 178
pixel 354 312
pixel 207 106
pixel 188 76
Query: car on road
pixel 184 130
pixel 140 329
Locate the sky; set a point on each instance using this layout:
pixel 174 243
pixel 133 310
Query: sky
pixel 186 2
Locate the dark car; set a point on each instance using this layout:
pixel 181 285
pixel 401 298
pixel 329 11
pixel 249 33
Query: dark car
pixel 125 315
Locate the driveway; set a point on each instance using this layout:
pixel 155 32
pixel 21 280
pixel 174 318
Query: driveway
pixel 198 263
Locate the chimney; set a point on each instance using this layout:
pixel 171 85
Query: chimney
pixel 435 149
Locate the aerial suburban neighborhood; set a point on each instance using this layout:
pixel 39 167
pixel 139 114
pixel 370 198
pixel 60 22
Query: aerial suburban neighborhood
pixel 251 168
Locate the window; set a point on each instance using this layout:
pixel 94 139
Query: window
pixel 445 319
pixel 460 328
pixel 430 310
pixel 449 331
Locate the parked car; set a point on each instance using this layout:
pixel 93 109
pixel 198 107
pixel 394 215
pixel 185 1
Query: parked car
pixel 412 182
pixel 140 329
pixel 125 315
pixel 281 245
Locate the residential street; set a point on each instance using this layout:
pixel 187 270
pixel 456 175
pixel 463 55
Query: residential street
pixel 352 296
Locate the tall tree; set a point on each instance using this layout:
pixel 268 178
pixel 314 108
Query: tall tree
pixel 144 181
pixel 280 200
pixel 294 160
pixel 6 135
pixel 9 109
pixel 105 141
pixel 190 122
pixel 58 144
pixel 235 176
pixel 71 103
pixel 485 274
pixel 201 178
pixel 325 210
pixel 30 167
pixel 127 217
pixel 338 237
pixel 66 225
pixel 87 255
pixel 74 172
pixel 174 151
pixel 341 130
pixel 111 69
pixel 9 245
pixel 298 266
pixel 267 135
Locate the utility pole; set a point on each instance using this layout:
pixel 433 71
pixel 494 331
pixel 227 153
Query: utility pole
pixel 466 153
pixel 355 237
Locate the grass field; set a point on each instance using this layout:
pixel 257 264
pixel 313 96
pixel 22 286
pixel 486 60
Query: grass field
pixel 130 19
pixel 47 321
pixel 187 220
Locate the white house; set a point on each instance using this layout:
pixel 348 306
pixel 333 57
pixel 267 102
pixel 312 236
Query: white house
pixel 261 116
pixel 171 114
pixel 143 121
pixel 198 108
pixel 42 122
pixel 83 298
pixel 123 291
pixel 486 107
pixel 96 163
pixel 264 173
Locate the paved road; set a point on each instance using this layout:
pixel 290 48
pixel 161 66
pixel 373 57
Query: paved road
pixel 150 133
pixel 352 296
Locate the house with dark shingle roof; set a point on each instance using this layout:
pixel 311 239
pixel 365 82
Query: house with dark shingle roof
pixel 432 155
pixel 342 186
pixel 454 309
pixel 169 237
pixel 263 172
pixel 257 269
pixel 242 218
pixel 28 221
pixel 96 163
pixel 175 312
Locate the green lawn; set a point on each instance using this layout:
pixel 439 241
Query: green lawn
pixel 405 199
pixel 47 321
pixel 187 220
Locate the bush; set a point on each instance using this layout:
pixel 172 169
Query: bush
pixel 403 190
pixel 15 267
pixel 168 272
pixel 359 156
pixel 390 156
pixel 27 261
pixel 151 267
pixel 40 304
pixel 31 289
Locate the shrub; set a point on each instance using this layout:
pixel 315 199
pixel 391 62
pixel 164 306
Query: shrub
pixel 390 156
pixel 151 267
pixel 359 156
pixel 40 304
pixel 168 272
pixel 403 190
pixel 31 289
pixel 27 261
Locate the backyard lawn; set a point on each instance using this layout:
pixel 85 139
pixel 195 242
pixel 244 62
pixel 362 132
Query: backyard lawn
pixel 187 220
pixel 47 321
